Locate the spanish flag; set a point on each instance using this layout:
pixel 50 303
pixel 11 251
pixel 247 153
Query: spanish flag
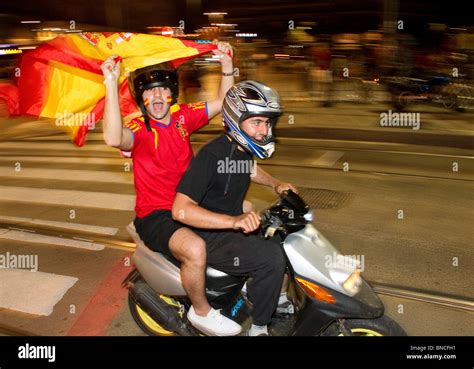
pixel 62 79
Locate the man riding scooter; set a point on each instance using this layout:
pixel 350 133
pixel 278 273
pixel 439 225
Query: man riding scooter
pixel 161 151
pixel 331 299
pixel 211 193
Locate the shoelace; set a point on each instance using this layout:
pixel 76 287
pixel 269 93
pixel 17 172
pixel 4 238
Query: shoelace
pixel 216 314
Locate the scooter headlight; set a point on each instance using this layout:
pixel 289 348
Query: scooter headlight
pixel 353 283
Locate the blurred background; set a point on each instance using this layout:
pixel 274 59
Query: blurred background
pixel 403 52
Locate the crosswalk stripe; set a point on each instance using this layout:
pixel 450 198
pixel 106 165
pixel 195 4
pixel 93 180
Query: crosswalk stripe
pixel 91 137
pixel 33 145
pixel 33 293
pixel 68 197
pixel 109 231
pixel 66 160
pixel 328 159
pixel 67 174
pixel 15 235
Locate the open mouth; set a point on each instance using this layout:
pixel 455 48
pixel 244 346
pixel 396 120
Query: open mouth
pixel 157 106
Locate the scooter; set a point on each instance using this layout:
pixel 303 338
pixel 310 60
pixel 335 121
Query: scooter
pixel 329 295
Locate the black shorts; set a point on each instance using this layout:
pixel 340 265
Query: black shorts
pixel 156 230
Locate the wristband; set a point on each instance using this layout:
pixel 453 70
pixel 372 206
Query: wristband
pixel 231 74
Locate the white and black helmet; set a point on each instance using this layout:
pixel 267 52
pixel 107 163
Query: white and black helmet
pixel 248 99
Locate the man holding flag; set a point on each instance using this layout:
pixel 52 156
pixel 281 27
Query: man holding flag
pixel 161 152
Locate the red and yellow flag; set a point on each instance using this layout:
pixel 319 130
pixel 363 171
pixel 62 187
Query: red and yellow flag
pixel 62 79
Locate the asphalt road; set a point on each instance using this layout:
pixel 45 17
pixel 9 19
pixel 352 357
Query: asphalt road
pixel 358 209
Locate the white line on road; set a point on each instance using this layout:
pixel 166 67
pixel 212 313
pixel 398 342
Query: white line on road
pixel 67 174
pixel 33 293
pixel 329 158
pixel 66 160
pixel 373 147
pixel 96 136
pixel 50 240
pixel 82 239
pixel 28 145
pixel 22 230
pixel 63 225
pixel 100 200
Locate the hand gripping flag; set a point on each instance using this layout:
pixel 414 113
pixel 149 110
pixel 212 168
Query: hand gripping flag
pixel 62 78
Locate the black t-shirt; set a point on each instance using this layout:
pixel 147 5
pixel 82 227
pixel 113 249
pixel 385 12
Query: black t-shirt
pixel 218 177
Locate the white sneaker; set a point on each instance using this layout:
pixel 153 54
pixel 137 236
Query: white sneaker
pixel 214 324
pixel 256 330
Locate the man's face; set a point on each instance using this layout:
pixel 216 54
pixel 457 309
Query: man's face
pixel 256 127
pixel 157 102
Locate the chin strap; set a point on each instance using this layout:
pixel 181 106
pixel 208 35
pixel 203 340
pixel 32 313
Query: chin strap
pixel 146 118
pixel 147 122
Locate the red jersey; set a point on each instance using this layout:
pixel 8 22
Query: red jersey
pixel 161 157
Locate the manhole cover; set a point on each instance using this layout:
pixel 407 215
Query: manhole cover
pixel 324 199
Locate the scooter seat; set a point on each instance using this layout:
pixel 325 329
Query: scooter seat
pixel 162 271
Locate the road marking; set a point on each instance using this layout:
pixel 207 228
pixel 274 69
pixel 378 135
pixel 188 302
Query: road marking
pixel 96 136
pixel 63 225
pixel 32 292
pixel 68 175
pixel 443 300
pixel 22 230
pixel 66 160
pixel 376 147
pixel 50 240
pixel 328 159
pixel 82 239
pixel 33 145
pixel 100 200
pixel 104 306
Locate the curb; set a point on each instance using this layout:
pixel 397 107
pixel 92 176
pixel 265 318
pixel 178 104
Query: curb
pixel 440 138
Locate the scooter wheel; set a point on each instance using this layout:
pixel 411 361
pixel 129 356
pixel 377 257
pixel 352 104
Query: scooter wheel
pixel 383 326
pixel 145 322
pixel 402 100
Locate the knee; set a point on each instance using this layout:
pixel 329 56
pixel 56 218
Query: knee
pixel 276 260
pixel 196 252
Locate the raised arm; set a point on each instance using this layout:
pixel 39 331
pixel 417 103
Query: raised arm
pixel 114 133
pixel 224 50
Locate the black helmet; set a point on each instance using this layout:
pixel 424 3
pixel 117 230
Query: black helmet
pixel 158 75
